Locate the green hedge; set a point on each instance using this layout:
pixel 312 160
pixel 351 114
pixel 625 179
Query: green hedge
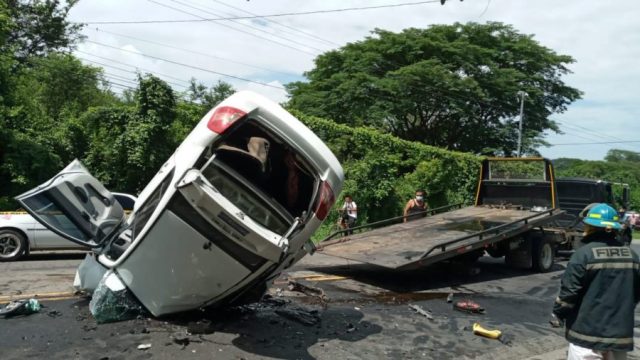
pixel 382 171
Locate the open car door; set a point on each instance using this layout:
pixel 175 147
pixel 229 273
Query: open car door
pixel 76 206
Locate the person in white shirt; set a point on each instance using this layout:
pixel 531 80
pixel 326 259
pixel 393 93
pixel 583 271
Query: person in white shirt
pixel 349 213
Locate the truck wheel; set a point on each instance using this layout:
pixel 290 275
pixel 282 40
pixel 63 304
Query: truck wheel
pixel 12 245
pixel 543 254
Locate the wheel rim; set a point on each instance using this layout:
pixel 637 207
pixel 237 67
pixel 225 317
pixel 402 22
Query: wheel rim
pixel 547 256
pixel 9 245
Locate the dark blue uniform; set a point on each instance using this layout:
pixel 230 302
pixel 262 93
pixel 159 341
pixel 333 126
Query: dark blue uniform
pixel 599 291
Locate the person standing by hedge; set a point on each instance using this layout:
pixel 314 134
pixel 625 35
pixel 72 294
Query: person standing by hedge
pixel 349 213
pixel 416 207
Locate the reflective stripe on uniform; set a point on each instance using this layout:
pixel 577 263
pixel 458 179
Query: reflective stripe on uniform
pixel 613 265
pixel 564 303
pixel 598 339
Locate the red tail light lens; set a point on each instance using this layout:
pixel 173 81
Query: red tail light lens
pixel 325 201
pixel 224 117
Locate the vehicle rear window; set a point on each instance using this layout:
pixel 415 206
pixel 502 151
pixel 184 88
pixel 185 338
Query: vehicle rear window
pixel 517 170
pixel 262 174
pixel 259 208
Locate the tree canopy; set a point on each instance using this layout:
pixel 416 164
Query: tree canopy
pixel 41 26
pixel 54 108
pixel 452 86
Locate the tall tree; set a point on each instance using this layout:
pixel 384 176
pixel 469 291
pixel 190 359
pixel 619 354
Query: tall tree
pixel 452 86
pixel 617 155
pixel 41 26
pixel 209 97
pixel 128 144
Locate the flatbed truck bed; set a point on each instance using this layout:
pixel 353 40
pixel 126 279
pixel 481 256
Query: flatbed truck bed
pixel 507 219
pixel 439 237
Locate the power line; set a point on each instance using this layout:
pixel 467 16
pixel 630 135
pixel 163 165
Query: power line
pixel 190 51
pixel 189 66
pixel 133 72
pixel 278 23
pixel 599 143
pixel 120 78
pixel 121 85
pixel 126 64
pixel 262 16
pixel 231 27
pixel 594 133
pixel 247 25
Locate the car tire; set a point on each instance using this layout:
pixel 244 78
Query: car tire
pixel 12 245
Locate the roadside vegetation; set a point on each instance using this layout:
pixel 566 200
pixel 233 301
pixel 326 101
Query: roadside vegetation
pixel 408 110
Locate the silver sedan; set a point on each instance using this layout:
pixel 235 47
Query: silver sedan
pixel 20 233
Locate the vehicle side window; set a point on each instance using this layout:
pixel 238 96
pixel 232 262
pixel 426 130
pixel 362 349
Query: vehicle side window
pixel 144 214
pixel 126 202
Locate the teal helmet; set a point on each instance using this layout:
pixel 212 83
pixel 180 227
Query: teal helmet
pixel 602 216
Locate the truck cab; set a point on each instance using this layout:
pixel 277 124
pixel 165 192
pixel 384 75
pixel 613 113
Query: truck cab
pixel 574 194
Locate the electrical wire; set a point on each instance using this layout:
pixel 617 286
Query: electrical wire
pixel 599 143
pixel 232 28
pixel 188 66
pixel 191 51
pixel 328 11
pixel 136 74
pixel 307 34
pixel 249 26
pixel 127 64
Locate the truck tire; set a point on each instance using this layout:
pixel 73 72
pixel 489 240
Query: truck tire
pixel 12 245
pixel 542 254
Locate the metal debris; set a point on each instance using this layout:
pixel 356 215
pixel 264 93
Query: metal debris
pixel 421 311
pixel 308 290
pixel 21 307
pixel 300 314
pixel 54 313
pixel 144 346
pixel 450 298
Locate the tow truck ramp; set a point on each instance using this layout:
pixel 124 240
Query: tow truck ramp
pixel 514 196
pixel 439 237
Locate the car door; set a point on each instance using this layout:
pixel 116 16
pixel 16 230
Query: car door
pixel 76 206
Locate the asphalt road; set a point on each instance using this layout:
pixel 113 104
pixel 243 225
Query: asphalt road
pixel 363 313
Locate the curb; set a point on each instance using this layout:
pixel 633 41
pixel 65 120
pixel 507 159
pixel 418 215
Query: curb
pixel 42 296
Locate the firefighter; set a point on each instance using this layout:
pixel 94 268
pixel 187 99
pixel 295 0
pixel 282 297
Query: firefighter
pixel 599 290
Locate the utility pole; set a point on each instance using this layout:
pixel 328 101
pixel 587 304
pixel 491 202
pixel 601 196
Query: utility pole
pixel 522 94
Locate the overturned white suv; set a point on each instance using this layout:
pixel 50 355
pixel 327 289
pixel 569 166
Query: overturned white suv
pixel 233 206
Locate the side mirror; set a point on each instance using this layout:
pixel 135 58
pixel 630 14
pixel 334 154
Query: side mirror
pixel 625 197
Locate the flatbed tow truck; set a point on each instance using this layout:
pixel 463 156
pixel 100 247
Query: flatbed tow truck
pixel 515 199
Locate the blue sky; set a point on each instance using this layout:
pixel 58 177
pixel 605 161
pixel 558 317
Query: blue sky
pixel 603 37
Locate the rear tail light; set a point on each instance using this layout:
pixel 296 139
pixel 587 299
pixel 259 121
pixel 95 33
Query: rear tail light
pixel 224 117
pixel 325 200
